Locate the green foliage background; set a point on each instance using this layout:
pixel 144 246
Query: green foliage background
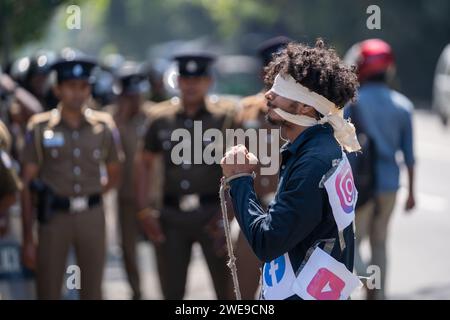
pixel 417 29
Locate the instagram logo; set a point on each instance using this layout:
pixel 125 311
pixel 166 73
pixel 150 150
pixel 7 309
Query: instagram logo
pixel 345 188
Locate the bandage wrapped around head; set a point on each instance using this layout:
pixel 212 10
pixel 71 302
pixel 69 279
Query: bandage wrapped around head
pixel 344 131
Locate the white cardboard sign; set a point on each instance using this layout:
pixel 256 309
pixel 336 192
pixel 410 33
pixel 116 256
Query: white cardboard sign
pixel 325 278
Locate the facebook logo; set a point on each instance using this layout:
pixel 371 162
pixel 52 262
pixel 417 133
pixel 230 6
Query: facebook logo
pixel 274 271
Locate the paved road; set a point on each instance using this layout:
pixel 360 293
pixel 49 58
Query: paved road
pixel 419 243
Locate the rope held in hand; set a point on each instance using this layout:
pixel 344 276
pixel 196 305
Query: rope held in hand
pixel 232 262
pixel 224 186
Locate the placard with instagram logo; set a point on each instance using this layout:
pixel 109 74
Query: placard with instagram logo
pixel 342 194
pixel 325 278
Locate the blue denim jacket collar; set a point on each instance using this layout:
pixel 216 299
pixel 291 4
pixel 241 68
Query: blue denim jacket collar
pixel 305 136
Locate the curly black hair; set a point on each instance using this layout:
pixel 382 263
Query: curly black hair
pixel 318 68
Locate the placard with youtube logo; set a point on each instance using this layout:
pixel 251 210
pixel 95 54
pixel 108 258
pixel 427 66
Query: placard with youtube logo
pixel 325 278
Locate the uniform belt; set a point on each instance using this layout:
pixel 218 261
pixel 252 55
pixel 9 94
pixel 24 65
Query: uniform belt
pixel 75 204
pixel 189 202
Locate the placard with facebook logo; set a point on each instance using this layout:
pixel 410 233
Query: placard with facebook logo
pixel 325 278
pixel 342 194
pixel 278 277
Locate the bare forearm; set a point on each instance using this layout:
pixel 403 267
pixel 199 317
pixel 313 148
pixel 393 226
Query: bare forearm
pixel 142 176
pixel 411 179
pixel 114 172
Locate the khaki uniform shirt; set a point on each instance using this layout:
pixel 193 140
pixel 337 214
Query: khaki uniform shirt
pixel 71 160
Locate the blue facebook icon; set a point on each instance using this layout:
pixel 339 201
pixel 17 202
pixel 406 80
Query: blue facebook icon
pixel 274 271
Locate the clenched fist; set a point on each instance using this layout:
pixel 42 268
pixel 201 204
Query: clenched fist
pixel 238 160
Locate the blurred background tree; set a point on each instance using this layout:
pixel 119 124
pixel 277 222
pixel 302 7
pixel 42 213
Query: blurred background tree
pixel 418 30
pixel 23 21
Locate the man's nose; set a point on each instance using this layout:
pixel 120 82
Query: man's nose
pixel 269 95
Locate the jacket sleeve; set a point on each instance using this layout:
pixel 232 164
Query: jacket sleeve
pixel 291 217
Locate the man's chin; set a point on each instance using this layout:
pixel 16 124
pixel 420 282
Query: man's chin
pixel 274 122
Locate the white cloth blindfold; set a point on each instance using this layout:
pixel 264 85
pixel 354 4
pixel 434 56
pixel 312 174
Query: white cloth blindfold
pixel 344 131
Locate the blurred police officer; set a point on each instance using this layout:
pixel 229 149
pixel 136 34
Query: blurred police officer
pixel 33 74
pixel 68 148
pixel 26 81
pixel 156 79
pixel 131 119
pixel 11 91
pixel 10 183
pixel 191 211
pixel 252 115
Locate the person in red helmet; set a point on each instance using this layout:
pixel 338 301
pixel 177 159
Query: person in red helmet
pixel 384 116
pixel 375 58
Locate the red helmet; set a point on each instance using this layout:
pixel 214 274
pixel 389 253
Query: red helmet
pixel 374 56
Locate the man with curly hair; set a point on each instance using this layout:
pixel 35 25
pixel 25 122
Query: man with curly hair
pixel 308 88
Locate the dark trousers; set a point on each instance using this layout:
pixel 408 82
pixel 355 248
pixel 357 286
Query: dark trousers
pixel 182 229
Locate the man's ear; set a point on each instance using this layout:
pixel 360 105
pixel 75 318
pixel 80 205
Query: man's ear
pixel 306 110
pixel 210 81
pixel 56 90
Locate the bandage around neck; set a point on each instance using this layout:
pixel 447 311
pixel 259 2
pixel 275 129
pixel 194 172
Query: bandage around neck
pixel 344 131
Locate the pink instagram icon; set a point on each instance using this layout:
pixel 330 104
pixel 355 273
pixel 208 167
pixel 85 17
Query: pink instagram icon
pixel 345 188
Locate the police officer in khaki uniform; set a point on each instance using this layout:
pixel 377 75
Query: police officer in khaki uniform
pixel 252 115
pixel 130 115
pixel 191 210
pixel 10 183
pixel 76 153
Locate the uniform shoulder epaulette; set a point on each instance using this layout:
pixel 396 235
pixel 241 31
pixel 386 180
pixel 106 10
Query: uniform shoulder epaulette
pixel 39 118
pixel 252 107
pixel 100 116
pixel 164 109
pixel 222 105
